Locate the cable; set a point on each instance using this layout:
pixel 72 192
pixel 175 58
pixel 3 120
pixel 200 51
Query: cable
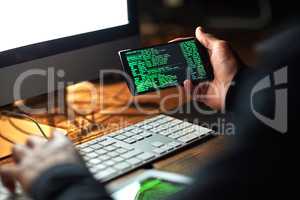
pixel 6 139
pixel 11 113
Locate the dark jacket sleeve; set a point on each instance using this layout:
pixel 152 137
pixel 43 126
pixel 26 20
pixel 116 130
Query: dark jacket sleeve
pixel 66 182
pixel 252 166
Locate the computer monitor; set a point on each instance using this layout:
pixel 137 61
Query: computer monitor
pixel 79 37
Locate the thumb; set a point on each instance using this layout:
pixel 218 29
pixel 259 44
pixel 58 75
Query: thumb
pixel 180 38
pixel 205 39
pixel 8 177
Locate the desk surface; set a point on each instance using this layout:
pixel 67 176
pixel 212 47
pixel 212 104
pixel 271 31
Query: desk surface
pixel 110 111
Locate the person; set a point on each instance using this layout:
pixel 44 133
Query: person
pixel 252 168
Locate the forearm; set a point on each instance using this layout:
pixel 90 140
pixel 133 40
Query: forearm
pixel 67 182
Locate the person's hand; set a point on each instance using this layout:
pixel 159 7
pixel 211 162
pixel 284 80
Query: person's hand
pixel 35 157
pixel 225 64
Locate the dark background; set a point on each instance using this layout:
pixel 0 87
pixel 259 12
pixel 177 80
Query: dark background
pixel 163 20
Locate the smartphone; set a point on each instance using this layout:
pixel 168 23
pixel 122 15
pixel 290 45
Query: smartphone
pixel 165 65
pixel 150 185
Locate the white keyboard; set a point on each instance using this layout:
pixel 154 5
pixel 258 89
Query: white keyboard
pixel 117 153
pixel 124 150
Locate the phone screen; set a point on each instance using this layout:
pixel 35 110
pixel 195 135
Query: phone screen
pixel 166 65
pixel 149 189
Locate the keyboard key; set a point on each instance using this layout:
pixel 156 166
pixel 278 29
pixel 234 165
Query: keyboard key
pixel 121 137
pixel 129 128
pixel 169 147
pixel 100 139
pixel 110 148
pixel 147 127
pixel 146 134
pixel 87 150
pixel 138 137
pixel 82 146
pixel 101 151
pixel 117 133
pixel 96 146
pixel 188 138
pixel 92 142
pixel 175 144
pixel 85 158
pixel 118 159
pixel 107 142
pixel 175 135
pixel 109 163
pixel 121 150
pixel 202 130
pixel 91 155
pixel 154 124
pixel 174 123
pixel 126 146
pixel 105 173
pixel 104 157
pixel 189 129
pixel 130 140
pixel 113 154
pixel 157 144
pixel 97 168
pixel 122 166
pixel 173 129
pixel 131 154
pixel 154 130
pixel 184 125
pixel 129 134
pixel 160 150
pixel 94 161
pixel 100 167
pixel 93 170
pixel 146 156
pixel 164 126
pixel 166 132
pixel 136 131
pixel 134 161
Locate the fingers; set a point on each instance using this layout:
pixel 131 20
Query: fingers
pixel 59 140
pixel 188 86
pixel 205 39
pixel 33 142
pixel 198 92
pixel 36 141
pixel 8 177
pixel 59 136
pixel 19 152
pixel 181 38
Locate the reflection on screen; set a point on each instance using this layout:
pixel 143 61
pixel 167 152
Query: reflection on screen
pixel 149 189
pixel 28 22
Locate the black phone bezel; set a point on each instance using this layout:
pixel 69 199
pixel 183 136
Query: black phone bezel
pixel 202 51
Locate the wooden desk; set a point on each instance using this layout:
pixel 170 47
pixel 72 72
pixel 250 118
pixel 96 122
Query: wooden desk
pixel 110 111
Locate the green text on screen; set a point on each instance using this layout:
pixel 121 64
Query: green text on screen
pixel 165 65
